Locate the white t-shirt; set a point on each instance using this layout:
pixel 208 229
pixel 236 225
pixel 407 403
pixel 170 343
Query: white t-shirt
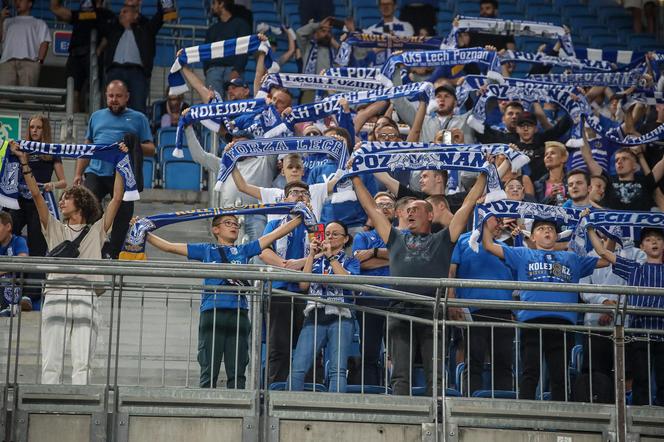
pixel 90 248
pixel 275 195
pixel 22 36
pixel 396 26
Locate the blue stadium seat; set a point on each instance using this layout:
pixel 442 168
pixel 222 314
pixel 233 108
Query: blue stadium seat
pixel 166 136
pixel 166 154
pixel 421 391
pixel 148 172
pixel 262 6
pixel 497 394
pixel 283 386
pixel 368 389
pixel 182 175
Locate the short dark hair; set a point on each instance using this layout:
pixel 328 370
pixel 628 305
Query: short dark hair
pixel 601 177
pixel 544 221
pixel 296 183
pixel 585 174
pixel 219 217
pixel 343 225
pixel 514 104
pixel 6 218
pixel 651 231
pixel 493 2
pixel 85 201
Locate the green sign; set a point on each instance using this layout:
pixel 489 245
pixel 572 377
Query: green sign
pixel 10 127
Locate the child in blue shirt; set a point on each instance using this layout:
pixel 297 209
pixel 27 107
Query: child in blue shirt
pixel 544 264
pixel 219 310
pixel 10 245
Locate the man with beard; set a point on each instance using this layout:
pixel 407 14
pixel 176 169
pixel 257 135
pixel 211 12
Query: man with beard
pixel 106 126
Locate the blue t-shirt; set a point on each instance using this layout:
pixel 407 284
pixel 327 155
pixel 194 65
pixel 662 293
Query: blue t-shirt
pixel 107 128
pixel 481 265
pixel 11 291
pixel 548 266
pixel 294 249
pixel 350 213
pixel 15 247
pixel 366 241
pixel 206 252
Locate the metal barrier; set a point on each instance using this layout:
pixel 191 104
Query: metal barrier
pixel 144 379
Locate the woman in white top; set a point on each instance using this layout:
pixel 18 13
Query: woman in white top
pixel 70 305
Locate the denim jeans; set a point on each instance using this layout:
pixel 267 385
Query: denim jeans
pixel 216 76
pixel 337 336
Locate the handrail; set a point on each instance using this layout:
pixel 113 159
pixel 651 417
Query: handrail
pixel 266 273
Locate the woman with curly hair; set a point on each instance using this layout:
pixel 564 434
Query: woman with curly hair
pixel 70 305
pixel 43 167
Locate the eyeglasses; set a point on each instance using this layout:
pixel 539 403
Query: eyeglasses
pixel 334 234
pixel 385 205
pixel 296 192
pixel 387 135
pixel 227 223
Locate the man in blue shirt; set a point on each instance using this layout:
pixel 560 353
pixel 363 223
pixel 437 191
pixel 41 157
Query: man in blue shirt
pixel 115 123
pixel 467 264
pixel 648 274
pixel 11 245
pixel 543 264
pixel 220 331
pixel 285 313
pixel 371 251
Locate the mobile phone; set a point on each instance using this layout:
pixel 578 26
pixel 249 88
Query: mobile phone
pixel 447 137
pixel 316 232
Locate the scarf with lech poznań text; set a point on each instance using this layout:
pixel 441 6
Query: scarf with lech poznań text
pixel 444 57
pixel 134 245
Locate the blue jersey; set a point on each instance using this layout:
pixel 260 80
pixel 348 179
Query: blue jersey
pixel 548 266
pixel 206 252
pixel 322 266
pixel 11 291
pixel 643 275
pixel 15 247
pixel 349 212
pixel 107 128
pixel 290 246
pixel 367 241
pixel 480 265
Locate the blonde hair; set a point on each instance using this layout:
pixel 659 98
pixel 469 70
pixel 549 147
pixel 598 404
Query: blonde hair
pixel 557 145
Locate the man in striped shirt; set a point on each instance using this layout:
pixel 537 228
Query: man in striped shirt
pixel 648 274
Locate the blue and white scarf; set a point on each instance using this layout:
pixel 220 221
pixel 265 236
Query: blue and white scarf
pixel 312 57
pixel 134 245
pixel 510 27
pixel 212 51
pixel 320 82
pixel 105 152
pixel 277 146
pixel 432 159
pixel 365 74
pixel 444 57
pixel 213 111
pixel 330 105
pixel 549 60
pixel 618 80
pixel 388 41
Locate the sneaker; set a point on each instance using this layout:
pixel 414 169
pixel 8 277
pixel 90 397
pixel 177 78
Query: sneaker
pixel 6 313
pixel 26 304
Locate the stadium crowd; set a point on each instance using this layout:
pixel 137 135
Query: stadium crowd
pixel 407 222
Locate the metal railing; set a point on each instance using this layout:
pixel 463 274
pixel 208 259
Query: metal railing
pixel 145 328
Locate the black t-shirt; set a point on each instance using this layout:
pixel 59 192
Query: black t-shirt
pixel 81 29
pixel 636 195
pixel 455 200
pixel 42 167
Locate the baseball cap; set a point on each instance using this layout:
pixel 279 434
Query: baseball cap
pixel 238 82
pixel 446 88
pixel 526 118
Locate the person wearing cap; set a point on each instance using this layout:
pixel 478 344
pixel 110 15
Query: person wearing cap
pixel 443 118
pixel 237 89
pixel 543 264
pixel 532 143
pixel 647 274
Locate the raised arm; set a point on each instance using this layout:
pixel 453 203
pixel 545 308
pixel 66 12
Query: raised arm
pixel 599 247
pixel 390 183
pixel 365 114
pixel 37 198
pixel 208 160
pixel 658 170
pixel 243 186
pixel 290 34
pixel 167 246
pixel 460 218
pixel 197 84
pixel 587 154
pixel 266 240
pixel 488 243
pixel 380 221
pixel 416 127
pixel 114 204
pixel 62 13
